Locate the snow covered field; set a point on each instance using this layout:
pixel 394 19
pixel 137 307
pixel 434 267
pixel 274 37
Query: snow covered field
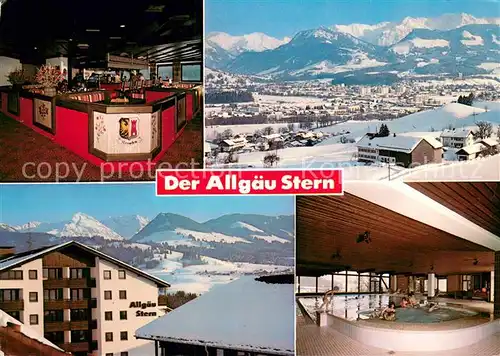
pixel 201 278
pixel 332 154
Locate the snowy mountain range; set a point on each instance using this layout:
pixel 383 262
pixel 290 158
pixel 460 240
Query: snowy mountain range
pixel 168 228
pixel 452 44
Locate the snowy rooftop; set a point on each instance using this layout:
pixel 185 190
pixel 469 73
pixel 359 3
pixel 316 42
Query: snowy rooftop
pixel 246 315
pixel 471 149
pixel 404 144
pixel 457 133
pixel 26 330
pixel 489 142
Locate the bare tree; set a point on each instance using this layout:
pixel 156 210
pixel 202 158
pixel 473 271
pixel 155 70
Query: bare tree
pixel 271 159
pixel 231 158
pixel 484 130
pixel 268 130
pixel 227 134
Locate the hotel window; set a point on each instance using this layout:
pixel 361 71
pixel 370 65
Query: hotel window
pixel 15 314
pixel 109 354
pixel 125 353
pixel 7 295
pixel 123 315
pixel 53 294
pixel 80 294
pixel 33 274
pixel 79 336
pixel 123 335
pixel 34 319
pixel 121 274
pixel 107 274
pixel 79 273
pixel 191 72
pixel 107 295
pixel 51 316
pixel 33 297
pixel 109 336
pixel 79 314
pixel 108 315
pixel 53 273
pixel 56 337
pixel 11 275
pixel 123 294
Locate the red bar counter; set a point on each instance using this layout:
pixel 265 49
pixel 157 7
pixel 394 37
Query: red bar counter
pixel 117 137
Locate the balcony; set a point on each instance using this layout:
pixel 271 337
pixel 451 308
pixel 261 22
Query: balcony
pixel 69 283
pixel 77 346
pixel 69 325
pixel 12 305
pixel 70 304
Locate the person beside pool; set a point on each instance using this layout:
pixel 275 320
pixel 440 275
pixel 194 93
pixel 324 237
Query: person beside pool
pixel 328 297
pixel 404 303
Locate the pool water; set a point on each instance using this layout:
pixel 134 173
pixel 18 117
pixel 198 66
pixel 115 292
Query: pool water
pixel 350 306
pixel 422 315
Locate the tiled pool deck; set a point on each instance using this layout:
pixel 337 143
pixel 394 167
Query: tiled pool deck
pixel 318 341
pixel 315 341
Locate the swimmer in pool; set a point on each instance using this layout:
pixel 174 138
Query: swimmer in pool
pixel 432 307
pixel 412 300
pixel 388 313
pixel 404 303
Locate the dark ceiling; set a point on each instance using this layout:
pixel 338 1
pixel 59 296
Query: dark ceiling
pixel 158 30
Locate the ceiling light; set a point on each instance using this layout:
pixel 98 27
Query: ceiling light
pixel 93 30
pixel 122 26
pixel 35 48
pixel 154 8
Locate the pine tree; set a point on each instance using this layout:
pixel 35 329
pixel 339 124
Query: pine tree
pixel 384 131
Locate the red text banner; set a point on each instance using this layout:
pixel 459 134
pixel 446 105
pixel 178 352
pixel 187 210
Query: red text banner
pixel 249 182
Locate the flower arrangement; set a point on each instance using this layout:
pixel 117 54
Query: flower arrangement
pixel 49 76
pixel 17 77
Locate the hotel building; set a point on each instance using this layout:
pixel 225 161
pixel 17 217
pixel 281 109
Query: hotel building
pixel 82 300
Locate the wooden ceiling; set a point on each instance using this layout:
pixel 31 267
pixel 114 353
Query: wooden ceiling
pixel 32 30
pixel 478 202
pixel 328 227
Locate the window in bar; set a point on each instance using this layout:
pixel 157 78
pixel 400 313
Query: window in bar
pixel 191 72
pixel 165 71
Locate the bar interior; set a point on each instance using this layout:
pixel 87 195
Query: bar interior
pixel 114 84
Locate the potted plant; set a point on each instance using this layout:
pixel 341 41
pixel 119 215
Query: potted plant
pixel 17 78
pixel 49 77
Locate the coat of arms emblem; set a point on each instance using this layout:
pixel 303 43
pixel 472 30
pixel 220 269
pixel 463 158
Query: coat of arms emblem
pixel 43 111
pixel 129 128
